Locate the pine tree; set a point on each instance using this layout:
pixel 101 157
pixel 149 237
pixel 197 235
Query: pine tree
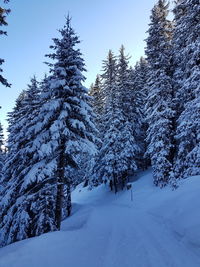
pixel 116 156
pixel 123 80
pixel 60 130
pixel 20 122
pixel 97 101
pixel 186 45
pixel 3 13
pixel 128 102
pixel 159 108
pixel 139 78
pixel 71 127
pixel 138 84
pixel 178 48
pixel 19 197
pixel 104 170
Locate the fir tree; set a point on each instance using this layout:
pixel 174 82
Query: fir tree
pixel 179 58
pixel 138 84
pixel 116 156
pixel 60 130
pixel 131 112
pixel 186 45
pixel 19 195
pixel 97 101
pixel 160 95
pixel 71 127
pixel 138 78
pixel 104 170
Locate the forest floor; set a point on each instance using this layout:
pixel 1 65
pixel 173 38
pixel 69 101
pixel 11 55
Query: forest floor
pixel 157 228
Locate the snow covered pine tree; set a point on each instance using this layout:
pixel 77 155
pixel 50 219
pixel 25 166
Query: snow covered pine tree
pixel 186 48
pixel 97 101
pixel 63 129
pixel 116 156
pixel 159 110
pixel 72 130
pixel 131 130
pixel 138 95
pixel 17 197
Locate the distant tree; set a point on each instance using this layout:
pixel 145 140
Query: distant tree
pixel 138 84
pixel 14 127
pixel 159 109
pixel 131 112
pixel 97 101
pixel 116 156
pixel 139 77
pixel 3 13
pixel 104 170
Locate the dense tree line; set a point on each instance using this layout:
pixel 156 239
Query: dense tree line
pixel 121 151
pixel 164 96
pixel 132 117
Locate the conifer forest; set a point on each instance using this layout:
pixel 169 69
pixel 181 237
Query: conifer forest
pixel 65 138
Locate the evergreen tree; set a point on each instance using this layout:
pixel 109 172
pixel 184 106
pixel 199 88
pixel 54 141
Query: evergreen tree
pixel 97 101
pixel 20 121
pixel 3 14
pixel 159 108
pixel 61 129
pixel 186 45
pixel 107 157
pixel 116 156
pixel 123 80
pixel 138 84
pixel 131 112
pixel 179 59
pixel 71 127
pixel 18 208
pixel 139 77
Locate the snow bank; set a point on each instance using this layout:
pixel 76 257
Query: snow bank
pixel 180 210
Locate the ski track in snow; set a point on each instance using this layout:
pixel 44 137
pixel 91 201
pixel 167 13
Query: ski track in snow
pixel 107 231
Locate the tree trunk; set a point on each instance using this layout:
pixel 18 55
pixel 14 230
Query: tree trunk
pixel 111 185
pixel 59 204
pixel 115 183
pixel 69 203
pixel 60 184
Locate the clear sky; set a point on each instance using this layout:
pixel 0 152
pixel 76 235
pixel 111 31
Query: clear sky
pixel 101 25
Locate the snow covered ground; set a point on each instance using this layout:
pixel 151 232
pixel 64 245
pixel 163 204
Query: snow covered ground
pixel 158 228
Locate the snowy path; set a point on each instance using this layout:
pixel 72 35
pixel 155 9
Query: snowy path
pixel 135 238
pixel 109 231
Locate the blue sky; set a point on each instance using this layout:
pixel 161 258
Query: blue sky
pixel 101 25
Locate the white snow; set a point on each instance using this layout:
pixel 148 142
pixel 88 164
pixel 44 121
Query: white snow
pixel 159 228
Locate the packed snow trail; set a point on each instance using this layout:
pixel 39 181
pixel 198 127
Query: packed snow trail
pixel 108 230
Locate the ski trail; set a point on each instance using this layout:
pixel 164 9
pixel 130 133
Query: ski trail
pixel 133 236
